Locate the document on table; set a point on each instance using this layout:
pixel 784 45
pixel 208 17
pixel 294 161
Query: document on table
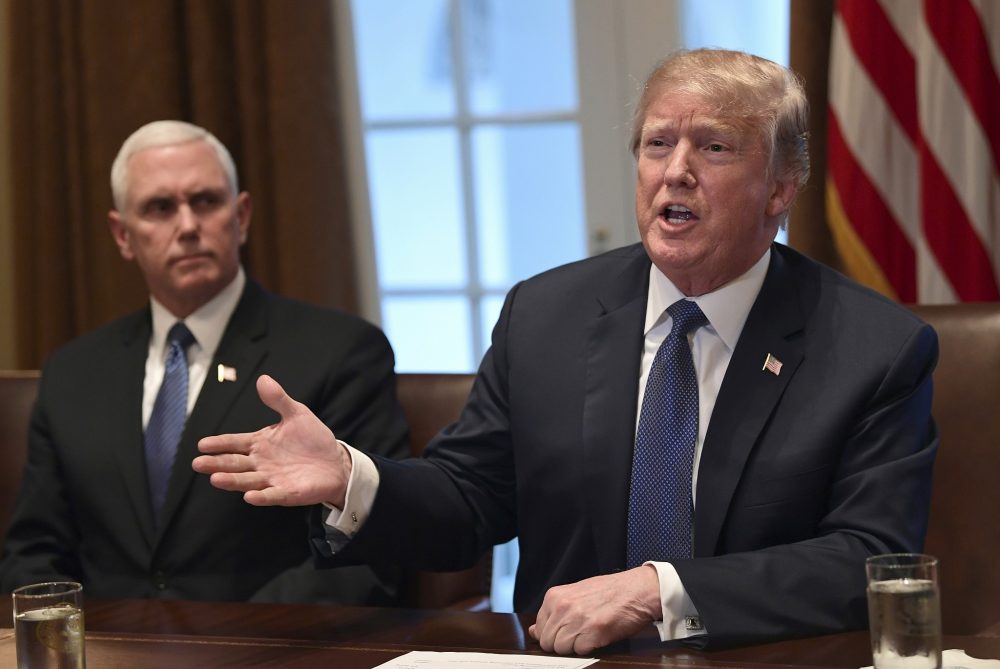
pixel 420 659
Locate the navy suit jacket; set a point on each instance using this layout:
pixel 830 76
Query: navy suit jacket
pixel 84 513
pixel 803 473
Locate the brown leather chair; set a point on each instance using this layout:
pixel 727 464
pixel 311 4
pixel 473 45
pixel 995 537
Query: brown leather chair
pixel 964 530
pixel 430 402
pixel 17 395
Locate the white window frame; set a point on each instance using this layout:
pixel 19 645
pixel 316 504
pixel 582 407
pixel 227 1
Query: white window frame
pixel 617 45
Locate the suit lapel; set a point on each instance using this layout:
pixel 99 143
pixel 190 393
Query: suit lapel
pixel 124 387
pixel 243 346
pixel 748 396
pixel 614 348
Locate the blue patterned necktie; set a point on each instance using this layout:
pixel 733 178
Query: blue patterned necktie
pixel 166 423
pixel 660 514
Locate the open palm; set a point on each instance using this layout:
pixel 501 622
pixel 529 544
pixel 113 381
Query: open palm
pixel 294 462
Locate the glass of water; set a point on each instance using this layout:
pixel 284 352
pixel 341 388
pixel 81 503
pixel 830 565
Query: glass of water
pixel 48 626
pixel 904 611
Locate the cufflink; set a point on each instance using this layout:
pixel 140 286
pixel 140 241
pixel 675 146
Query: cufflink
pixel 693 624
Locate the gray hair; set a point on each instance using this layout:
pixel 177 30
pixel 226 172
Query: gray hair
pixel 165 133
pixel 750 90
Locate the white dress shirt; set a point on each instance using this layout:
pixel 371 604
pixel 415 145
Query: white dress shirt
pixel 712 346
pixel 207 323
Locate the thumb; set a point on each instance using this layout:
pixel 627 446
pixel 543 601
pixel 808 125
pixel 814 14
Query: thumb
pixel 274 397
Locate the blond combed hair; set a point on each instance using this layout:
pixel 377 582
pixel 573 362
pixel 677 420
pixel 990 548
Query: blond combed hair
pixel 748 90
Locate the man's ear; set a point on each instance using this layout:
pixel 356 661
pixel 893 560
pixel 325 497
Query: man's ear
pixel 244 208
pixel 782 196
pixel 119 232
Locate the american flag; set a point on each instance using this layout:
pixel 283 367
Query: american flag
pixel 772 364
pixel 913 192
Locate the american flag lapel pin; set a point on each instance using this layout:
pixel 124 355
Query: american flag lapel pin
pixel 226 373
pixel 772 364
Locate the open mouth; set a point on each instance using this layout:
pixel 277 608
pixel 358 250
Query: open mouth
pixel 678 214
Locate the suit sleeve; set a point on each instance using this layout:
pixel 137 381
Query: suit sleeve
pixel 443 511
pixel 878 503
pixel 358 402
pixel 42 542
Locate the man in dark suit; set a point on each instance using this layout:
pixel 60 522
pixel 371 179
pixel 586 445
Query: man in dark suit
pixel 808 445
pixel 87 510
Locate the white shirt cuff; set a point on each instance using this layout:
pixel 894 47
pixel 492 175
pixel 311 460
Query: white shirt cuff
pixel 360 495
pixel 680 617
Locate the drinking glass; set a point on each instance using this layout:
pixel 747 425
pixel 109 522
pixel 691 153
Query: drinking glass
pixel 904 611
pixel 48 626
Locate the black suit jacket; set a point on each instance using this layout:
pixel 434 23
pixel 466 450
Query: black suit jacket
pixel 84 511
pixel 803 473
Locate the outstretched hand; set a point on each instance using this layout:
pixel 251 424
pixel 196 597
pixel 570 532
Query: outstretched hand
pixel 581 617
pixel 295 462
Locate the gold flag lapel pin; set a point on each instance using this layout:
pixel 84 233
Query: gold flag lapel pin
pixel 772 365
pixel 226 373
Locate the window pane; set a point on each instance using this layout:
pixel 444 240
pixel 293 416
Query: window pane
pixel 415 185
pixel 505 559
pixel 759 27
pixel 529 199
pixel 404 58
pixel 429 334
pixel 520 54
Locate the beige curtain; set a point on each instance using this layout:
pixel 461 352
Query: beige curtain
pixel 260 74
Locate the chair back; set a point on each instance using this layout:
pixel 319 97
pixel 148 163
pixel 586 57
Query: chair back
pixel 964 531
pixel 430 402
pixel 18 390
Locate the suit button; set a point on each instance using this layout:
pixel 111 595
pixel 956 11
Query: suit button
pixel 159 580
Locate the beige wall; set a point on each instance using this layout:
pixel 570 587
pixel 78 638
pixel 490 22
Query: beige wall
pixel 7 352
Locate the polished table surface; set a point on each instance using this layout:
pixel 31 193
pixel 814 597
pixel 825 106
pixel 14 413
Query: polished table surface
pixel 175 634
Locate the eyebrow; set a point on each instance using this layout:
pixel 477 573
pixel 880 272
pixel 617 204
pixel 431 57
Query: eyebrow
pixel 187 195
pixel 702 124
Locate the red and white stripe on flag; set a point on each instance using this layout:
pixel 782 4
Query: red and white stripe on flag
pixel 913 167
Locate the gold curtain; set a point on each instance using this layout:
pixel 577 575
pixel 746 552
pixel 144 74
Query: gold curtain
pixel 809 55
pixel 260 74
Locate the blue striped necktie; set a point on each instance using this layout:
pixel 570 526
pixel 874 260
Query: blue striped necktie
pixel 166 423
pixel 660 514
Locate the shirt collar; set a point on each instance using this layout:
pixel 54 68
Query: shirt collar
pixel 726 308
pixel 206 323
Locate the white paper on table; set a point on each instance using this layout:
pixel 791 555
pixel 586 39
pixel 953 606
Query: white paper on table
pixel 957 659
pixel 422 659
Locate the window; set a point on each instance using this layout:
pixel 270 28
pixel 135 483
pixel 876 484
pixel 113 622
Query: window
pixel 491 144
pixel 472 145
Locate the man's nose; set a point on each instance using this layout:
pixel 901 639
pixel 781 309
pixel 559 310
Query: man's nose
pixel 187 220
pixel 677 171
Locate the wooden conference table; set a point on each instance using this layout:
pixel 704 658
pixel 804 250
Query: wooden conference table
pixel 175 635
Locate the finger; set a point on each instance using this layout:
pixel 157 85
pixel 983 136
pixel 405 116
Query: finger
pixel 568 640
pixel 274 396
pixel 227 443
pixel 533 631
pixel 238 482
pixel 557 640
pixel 584 644
pixel 546 634
pixel 271 497
pixel 224 462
